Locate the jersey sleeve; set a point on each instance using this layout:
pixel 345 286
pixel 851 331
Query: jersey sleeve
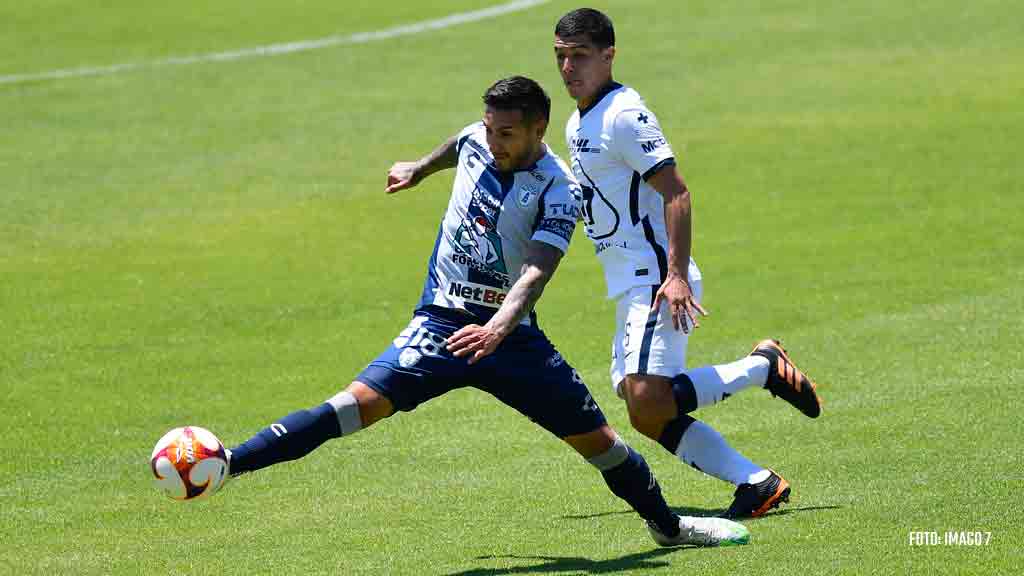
pixel 465 134
pixel 557 212
pixel 640 142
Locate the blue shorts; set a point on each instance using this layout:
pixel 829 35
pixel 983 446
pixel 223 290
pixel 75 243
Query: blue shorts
pixel 525 372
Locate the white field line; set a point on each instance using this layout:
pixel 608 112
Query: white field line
pixel 286 48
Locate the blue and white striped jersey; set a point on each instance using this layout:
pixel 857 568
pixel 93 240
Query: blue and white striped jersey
pixel 490 221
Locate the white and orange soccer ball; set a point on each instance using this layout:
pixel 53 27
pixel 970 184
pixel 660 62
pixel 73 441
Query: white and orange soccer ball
pixel 189 463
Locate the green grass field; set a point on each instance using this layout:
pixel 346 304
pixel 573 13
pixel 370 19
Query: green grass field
pixel 210 244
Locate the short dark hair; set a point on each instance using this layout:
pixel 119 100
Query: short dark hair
pixel 589 22
pixel 519 93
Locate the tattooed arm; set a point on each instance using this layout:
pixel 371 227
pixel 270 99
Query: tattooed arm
pixel 404 175
pixel 541 262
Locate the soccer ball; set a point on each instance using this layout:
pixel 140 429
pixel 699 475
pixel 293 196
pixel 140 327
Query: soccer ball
pixel 189 463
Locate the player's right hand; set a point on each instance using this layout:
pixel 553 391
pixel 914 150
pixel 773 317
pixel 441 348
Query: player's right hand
pixel 402 175
pixel 676 292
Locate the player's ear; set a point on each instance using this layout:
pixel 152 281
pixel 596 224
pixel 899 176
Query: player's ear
pixel 540 127
pixel 609 54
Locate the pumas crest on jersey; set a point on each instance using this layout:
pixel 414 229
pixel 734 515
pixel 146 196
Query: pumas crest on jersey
pixel 600 218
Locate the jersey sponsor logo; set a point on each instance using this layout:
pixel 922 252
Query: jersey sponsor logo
pixel 469 292
pixel 652 145
pixel 486 203
pixel 477 152
pixel 561 228
pixel 571 211
pixel 477 237
pixel 606 244
pixel 464 260
pixel 581 146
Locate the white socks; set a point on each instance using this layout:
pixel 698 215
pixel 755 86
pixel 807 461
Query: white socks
pixel 704 448
pixel 716 383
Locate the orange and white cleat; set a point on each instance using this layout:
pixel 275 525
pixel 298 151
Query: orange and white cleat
pixel 786 381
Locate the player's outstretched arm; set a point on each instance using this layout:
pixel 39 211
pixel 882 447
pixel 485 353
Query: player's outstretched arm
pixel 539 266
pixel 676 288
pixel 404 175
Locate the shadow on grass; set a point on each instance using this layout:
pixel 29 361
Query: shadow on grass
pixel 681 510
pixel 785 511
pixel 640 561
pixel 690 511
pixel 555 564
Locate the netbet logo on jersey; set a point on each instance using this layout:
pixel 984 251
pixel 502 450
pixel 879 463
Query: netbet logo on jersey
pixel 472 293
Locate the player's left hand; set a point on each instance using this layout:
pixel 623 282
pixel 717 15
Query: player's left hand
pixel 681 303
pixel 474 339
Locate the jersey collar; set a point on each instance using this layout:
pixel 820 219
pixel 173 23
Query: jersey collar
pixel 607 89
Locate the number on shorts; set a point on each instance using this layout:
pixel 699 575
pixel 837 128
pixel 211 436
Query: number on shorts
pixel 416 336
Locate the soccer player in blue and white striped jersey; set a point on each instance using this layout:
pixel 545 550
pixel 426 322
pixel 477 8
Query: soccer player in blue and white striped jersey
pixel 511 215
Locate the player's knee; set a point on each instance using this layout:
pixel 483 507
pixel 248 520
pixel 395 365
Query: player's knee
pixel 593 443
pixel 648 389
pixel 650 403
pixel 611 457
pixel 360 406
pixel 646 424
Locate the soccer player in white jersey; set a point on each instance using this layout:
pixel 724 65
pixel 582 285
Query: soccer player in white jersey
pixel 636 209
pixel 512 212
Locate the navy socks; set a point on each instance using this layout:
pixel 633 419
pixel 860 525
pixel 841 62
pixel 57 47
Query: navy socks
pixel 290 438
pixel 633 481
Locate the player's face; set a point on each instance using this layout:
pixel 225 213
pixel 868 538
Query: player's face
pixel 584 67
pixel 513 143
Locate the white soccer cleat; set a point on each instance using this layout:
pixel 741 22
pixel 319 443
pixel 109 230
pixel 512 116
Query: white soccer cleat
pixel 703 532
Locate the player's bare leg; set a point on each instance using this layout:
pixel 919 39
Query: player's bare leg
pixel 650 403
pixel 373 406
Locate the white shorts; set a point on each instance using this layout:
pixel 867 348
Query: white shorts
pixel 645 341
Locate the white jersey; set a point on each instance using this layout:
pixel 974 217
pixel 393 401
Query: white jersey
pixel 616 145
pixel 490 221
